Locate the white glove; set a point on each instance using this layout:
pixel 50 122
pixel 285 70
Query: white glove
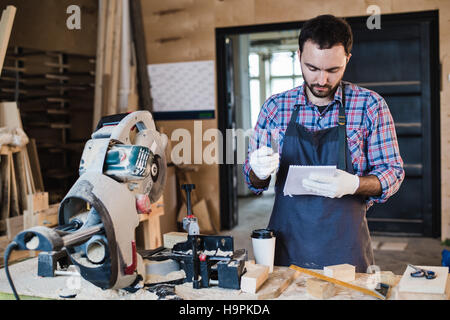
pixel 340 184
pixel 264 162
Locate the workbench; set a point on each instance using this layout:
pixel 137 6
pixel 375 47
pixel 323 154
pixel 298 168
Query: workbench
pixel 283 284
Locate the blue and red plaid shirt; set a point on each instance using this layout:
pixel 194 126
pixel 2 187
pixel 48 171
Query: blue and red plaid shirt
pixel 371 135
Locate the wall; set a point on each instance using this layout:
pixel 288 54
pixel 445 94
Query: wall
pixel 183 30
pixel 42 25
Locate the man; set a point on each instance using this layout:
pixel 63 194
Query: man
pixel 326 121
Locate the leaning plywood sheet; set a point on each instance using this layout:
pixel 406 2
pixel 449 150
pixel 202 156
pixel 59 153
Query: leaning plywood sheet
pixel 6 24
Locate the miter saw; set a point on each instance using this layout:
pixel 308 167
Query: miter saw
pixel 122 171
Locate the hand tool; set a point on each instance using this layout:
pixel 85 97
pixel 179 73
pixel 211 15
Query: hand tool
pixel 377 293
pixel 123 162
pixel 428 274
pixel 190 224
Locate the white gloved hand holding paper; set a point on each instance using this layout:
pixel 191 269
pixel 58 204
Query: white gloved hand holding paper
pixel 342 183
pixel 264 162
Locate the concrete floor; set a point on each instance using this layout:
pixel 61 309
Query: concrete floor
pixel 254 213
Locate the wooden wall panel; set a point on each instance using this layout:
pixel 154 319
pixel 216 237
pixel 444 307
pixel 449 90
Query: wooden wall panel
pixel 206 180
pixel 42 25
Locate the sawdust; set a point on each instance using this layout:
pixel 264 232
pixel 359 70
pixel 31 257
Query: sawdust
pixel 156 278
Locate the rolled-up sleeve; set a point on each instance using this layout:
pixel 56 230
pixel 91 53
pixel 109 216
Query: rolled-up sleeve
pixel 261 135
pixel 383 154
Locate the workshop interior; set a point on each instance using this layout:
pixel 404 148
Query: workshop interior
pixel 126 155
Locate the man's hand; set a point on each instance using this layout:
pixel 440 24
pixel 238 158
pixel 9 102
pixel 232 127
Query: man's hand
pixel 264 162
pixel 332 187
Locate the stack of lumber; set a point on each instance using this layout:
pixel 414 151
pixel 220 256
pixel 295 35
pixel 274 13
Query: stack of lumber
pixel 118 54
pixel 22 205
pixel 55 93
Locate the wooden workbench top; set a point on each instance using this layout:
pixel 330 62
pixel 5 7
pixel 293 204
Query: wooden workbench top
pixel 282 284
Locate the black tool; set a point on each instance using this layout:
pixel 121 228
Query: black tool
pixel 428 274
pixel 191 226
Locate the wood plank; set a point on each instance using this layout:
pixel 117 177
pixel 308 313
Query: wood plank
pixel 200 210
pixel 423 285
pixel 398 295
pixel 35 165
pixel 344 272
pixel 320 289
pixel 47 217
pixel 254 278
pixel 14 206
pixel 10 116
pixel 21 180
pixel 148 234
pixel 115 75
pixel 6 24
pixel 35 202
pixel 278 281
pixel 6 186
pixel 14 226
pixel 137 29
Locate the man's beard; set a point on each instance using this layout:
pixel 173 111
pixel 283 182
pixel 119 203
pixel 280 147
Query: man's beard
pixel 325 93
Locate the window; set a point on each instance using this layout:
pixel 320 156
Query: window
pixel 271 73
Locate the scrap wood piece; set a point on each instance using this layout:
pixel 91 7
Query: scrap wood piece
pixel 14 205
pixel 320 289
pixel 6 24
pixel 276 284
pixel 254 278
pixel 344 284
pixel 344 272
pixel 35 165
pixel 6 186
pixel 200 210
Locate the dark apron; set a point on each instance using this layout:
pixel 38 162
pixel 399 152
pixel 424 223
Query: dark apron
pixel 314 231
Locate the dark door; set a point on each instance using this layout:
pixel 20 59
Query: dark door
pixel 397 62
pixel 228 170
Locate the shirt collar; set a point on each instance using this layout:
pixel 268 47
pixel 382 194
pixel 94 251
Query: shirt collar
pixel 302 99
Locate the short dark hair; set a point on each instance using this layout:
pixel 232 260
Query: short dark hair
pixel 326 31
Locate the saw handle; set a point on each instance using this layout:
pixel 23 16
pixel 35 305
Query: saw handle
pixel 188 188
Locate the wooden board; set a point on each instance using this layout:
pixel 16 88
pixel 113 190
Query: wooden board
pixel 6 24
pixel 344 272
pixel 14 226
pixel 35 202
pixel 277 282
pixel 200 210
pixel 254 278
pixel 35 165
pixel 397 295
pixel 5 186
pixel 10 116
pixel 423 285
pixel 320 289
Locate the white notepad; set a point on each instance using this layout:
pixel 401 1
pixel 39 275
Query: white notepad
pixel 296 174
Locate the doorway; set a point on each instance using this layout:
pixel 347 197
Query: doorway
pixel 400 61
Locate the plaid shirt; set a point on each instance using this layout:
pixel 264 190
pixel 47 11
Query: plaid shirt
pixel 371 135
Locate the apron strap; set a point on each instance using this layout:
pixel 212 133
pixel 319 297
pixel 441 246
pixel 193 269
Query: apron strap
pixel 294 115
pixel 342 164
